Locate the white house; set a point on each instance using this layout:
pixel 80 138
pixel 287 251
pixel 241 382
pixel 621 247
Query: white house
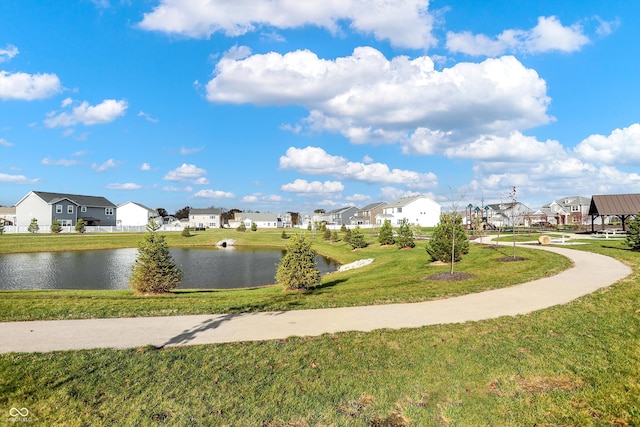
pixel 262 219
pixel 417 210
pixel 205 218
pixel 135 214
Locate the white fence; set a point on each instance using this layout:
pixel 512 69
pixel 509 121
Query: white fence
pixel 92 229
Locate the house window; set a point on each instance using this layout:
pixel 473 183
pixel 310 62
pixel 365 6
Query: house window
pixel 69 209
pixel 58 208
pixel 83 209
pixel 575 208
pixel 108 211
pixel 65 222
pixel 399 210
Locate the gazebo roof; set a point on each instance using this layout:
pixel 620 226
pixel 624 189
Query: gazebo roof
pixel 615 204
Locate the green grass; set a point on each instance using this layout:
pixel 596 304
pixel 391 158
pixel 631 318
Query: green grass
pixel 395 276
pixel 571 365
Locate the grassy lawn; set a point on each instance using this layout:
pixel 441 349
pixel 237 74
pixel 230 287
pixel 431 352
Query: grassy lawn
pixel 571 365
pixel 395 276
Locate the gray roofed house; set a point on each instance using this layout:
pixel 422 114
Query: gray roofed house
pixel 367 215
pixel 66 208
pixel 568 210
pixel 205 218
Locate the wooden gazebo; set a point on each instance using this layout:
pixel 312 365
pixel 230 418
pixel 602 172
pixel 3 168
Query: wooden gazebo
pixel 620 205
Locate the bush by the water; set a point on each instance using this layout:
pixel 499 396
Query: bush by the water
pixel 154 271
pixel 298 269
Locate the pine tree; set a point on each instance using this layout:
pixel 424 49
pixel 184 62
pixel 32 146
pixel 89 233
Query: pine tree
pixel 55 226
pixel 154 271
pixel 633 234
pixel 33 226
pixel 80 227
pixel 298 269
pixel 405 236
pixel 326 235
pixel 254 226
pixel 357 239
pixel 241 227
pixel 385 237
pixel 449 241
pixel 1 226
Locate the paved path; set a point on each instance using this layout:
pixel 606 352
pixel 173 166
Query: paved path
pixel 590 272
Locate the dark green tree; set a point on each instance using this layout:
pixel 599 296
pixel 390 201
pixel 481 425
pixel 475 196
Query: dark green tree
pixel 385 237
pixel 154 271
pixel 186 232
pixel 254 226
pixel 241 227
pixel 405 236
pixel 449 241
pixel 56 228
pixel 357 239
pixel 298 269
pixel 33 226
pixel 326 235
pixel 1 226
pixel 633 233
pixel 80 226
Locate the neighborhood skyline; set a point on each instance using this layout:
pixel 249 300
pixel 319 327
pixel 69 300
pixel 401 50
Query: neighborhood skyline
pixel 280 106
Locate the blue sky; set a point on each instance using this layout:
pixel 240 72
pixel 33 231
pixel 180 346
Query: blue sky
pixel 299 105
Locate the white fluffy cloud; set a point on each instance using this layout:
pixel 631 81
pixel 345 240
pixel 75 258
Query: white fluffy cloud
pixel 314 188
pixel 186 173
pixel 8 52
pixel 60 162
pixel 124 186
pixel 621 147
pixel 548 35
pixel 369 98
pixel 404 23
pixel 27 87
pixel 105 112
pixel 109 164
pixel 213 194
pixel 17 179
pixel 316 161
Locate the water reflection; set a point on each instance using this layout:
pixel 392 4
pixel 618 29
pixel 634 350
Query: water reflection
pixel 111 269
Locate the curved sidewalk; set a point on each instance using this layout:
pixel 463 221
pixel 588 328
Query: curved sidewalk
pixel 589 273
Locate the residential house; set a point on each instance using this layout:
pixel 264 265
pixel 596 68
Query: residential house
pixel 200 219
pixel 8 215
pixel 135 214
pixel 417 210
pixel 66 208
pixel 367 215
pixel 341 216
pixel 568 210
pixel 262 219
pixel 508 214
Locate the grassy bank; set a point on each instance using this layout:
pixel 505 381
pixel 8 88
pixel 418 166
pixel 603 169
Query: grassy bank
pixel 576 364
pixel 395 276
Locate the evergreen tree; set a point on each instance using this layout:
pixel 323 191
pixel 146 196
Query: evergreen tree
pixel 385 237
pixel 298 269
pixel 334 236
pixel 1 226
pixel 633 233
pixel 357 239
pixel 80 227
pixel 449 241
pixel 186 232
pixel 405 236
pixel 326 235
pixel 154 270
pixel 284 235
pixel 241 227
pixel 33 226
pixel 55 226
pixel 254 226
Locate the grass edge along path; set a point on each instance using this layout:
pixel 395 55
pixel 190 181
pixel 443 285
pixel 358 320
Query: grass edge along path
pixel 576 364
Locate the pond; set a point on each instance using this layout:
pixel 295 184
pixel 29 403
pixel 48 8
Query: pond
pixel 111 269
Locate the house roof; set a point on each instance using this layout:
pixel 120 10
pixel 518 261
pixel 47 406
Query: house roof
pixel 615 204
pixel 205 211
pixel 406 201
pixel 80 200
pixel 342 210
pixel 138 204
pixel 372 206
pixel 570 201
pixel 258 216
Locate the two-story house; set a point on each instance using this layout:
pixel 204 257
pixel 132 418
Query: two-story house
pixel 135 214
pixel 568 210
pixel 66 208
pixel 417 210
pixel 200 219
pixel 367 215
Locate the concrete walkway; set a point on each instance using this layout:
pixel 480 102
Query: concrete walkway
pixel 590 272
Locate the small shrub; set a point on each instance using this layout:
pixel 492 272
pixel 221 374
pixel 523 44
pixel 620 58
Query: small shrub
pixel 186 232
pixel 326 235
pixel 56 228
pixel 357 239
pixel 254 226
pixel 343 228
pixel 284 235
pixel 405 236
pixel 242 228
pixel 1 227
pixel 334 236
pixel 33 226
pixel 385 237
pixel 80 226
pixel 298 269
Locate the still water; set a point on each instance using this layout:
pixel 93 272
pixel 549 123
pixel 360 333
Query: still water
pixel 110 269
